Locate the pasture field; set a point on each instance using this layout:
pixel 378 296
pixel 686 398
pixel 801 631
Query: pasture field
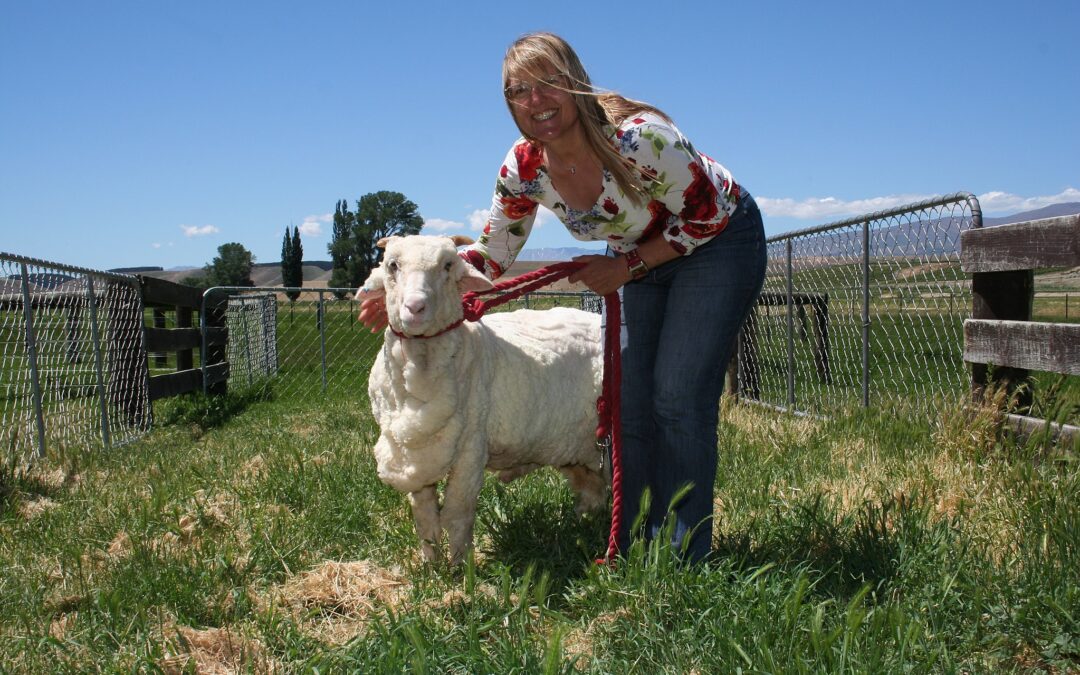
pixel 249 533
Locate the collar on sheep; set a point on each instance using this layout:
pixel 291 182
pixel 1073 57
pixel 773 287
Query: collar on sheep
pixel 608 406
pixel 406 336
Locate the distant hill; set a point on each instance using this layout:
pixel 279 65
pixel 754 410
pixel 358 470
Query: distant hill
pixel 135 270
pixel 1052 211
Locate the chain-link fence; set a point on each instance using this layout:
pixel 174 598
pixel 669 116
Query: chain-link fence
pixel 314 344
pixel 863 311
pixel 72 358
pixel 859 312
pixel 252 348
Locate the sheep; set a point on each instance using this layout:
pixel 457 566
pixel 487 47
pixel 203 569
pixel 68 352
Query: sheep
pixel 510 393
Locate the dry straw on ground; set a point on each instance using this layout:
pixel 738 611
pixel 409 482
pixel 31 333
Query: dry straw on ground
pixel 335 601
pixel 216 651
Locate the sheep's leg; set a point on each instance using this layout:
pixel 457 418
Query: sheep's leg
pixel 425 510
pixel 459 508
pixel 589 486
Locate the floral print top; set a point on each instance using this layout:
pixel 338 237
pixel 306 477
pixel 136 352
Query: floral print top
pixel 690 197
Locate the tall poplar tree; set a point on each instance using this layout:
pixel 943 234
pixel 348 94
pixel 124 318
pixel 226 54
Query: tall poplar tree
pixel 292 262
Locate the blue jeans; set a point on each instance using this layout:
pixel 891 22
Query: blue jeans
pixel 681 323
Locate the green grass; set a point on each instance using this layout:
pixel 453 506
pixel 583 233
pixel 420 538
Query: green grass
pixel 865 544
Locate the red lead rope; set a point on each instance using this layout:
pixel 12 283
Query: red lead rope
pixel 608 405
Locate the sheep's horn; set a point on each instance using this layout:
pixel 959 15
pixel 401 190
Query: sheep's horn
pixel 462 240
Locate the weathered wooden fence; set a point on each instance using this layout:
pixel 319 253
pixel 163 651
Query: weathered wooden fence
pixel 1002 261
pixel 185 303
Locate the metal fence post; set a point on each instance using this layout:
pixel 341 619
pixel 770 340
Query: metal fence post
pixel 31 352
pixel 866 314
pixel 99 366
pixel 322 339
pixel 790 329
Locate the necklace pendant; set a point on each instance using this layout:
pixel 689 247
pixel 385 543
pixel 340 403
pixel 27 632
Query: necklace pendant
pixel 573 170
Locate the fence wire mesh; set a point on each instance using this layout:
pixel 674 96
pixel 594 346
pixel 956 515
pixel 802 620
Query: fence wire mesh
pixel 252 348
pixel 72 360
pixel 315 344
pixel 863 311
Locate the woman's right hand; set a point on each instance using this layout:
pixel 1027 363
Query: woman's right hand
pixel 373 314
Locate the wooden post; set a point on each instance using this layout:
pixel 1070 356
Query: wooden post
pixel 161 359
pixel 184 357
pixel 1002 296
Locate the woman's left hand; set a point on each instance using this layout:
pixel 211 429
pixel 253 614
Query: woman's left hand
pixel 602 274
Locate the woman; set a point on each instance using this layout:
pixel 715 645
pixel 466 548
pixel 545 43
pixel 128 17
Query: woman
pixel 689 257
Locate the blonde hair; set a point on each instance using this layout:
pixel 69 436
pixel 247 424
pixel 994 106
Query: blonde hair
pixel 533 54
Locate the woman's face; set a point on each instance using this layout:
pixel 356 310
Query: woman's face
pixel 542 107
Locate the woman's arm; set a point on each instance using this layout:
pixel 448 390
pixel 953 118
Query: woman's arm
pixel 604 274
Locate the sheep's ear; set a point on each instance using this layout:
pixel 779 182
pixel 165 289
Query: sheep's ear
pixel 462 240
pixel 473 279
pixel 373 287
pixel 384 241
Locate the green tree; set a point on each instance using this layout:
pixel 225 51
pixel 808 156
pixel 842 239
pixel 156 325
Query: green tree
pixel 231 266
pixel 353 247
pixel 292 262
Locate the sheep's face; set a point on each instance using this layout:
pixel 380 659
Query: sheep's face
pixel 422 279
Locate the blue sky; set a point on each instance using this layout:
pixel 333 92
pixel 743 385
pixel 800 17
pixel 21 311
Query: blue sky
pixel 151 132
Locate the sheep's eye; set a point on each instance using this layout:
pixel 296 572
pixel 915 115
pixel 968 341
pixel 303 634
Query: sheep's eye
pixel 392 266
pixel 448 265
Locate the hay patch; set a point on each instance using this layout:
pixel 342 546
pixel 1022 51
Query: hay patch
pixel 203 516
pixel 335 601
pixel 579 643
pixel 254 468
pixel 120 546
pixel 32 507
pixel 216 651
pixel 61 625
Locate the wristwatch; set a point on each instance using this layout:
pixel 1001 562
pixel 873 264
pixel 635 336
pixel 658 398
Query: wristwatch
pixel 635 264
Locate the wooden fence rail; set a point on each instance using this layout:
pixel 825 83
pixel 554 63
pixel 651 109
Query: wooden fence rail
pixel 161 295
pixel 1002 261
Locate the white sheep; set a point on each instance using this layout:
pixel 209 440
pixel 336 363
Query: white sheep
pixel 512 392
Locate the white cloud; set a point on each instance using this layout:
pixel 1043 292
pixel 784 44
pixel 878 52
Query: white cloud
pixel 817 208
pixel 155 245
pixel 820 208
pixel 440 225
pixel 1003 202
pixel 198 231
pixel 544 216
pixel 312 225
pixel 478 219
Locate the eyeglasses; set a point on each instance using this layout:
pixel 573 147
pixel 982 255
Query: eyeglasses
pixel 519 92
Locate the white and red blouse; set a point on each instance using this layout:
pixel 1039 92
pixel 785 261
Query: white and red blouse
pixel 689 197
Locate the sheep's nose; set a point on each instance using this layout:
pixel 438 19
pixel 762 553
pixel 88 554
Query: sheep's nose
pixel 416 305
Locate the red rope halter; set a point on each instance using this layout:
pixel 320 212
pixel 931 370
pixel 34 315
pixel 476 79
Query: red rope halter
pixel 608 405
